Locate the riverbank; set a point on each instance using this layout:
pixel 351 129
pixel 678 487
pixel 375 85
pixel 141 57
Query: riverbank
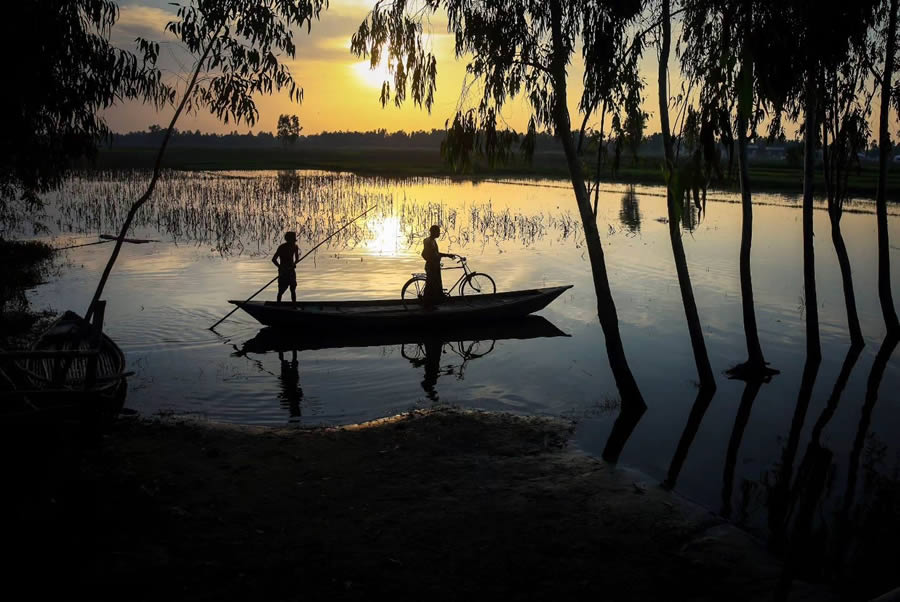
pixel 24 265
pixel 437 505
pixel 427 162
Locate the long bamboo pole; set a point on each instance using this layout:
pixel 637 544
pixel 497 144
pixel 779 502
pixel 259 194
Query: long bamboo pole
pixel 269 283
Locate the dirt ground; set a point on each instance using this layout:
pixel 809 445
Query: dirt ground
pixel 441 505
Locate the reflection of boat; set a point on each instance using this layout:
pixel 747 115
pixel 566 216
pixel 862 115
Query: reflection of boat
pixel 390 314
pixel 274 339
pixel 422 347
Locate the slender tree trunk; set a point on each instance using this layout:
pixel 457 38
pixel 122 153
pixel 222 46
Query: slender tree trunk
pixel 701 357
pixel 813 346
pixel 856 336
pixel 600 158
pixel 755 360
pixel 834 168
pixel 884 150
pixel 756 363
pixel 152 185
pixel 606 307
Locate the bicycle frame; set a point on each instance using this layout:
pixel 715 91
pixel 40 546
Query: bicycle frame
pixel 419 280
pixel 464 267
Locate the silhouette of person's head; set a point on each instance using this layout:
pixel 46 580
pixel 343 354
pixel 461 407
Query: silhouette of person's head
pixel 435 231
pixel 290 236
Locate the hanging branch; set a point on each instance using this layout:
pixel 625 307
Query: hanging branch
pixel 152 185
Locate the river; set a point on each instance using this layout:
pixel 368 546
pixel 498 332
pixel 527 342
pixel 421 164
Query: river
pixel 744 452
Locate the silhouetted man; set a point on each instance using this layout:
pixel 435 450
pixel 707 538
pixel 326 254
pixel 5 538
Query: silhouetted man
pixel 434 285
pixel 286 257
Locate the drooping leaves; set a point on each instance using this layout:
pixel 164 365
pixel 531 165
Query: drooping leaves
pixel 62 72
pixel 507 44
pixel 242 45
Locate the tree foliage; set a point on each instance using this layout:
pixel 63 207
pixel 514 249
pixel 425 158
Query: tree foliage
pixel 62 72
pixel 240 47
pixel 509 52
pixel 288 129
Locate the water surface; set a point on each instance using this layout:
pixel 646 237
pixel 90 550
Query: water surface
pixel 218 231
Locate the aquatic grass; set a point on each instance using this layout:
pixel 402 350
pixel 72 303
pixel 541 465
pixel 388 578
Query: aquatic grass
pixel 247 214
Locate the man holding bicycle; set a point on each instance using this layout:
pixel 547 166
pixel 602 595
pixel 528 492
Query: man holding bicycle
pixel 434 285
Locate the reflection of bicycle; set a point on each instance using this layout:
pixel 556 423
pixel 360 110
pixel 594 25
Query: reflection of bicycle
pixel 417 354
pixel 469 284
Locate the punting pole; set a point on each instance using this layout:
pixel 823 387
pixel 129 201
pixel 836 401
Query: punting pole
pixel 330 236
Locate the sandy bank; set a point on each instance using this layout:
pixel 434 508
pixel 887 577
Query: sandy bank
pixel 442 505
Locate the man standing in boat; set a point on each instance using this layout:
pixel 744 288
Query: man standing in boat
pixel 434 285
pixel 286 258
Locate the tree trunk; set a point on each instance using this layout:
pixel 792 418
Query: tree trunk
pixel 701 357
pixel 152 185
pixel 813 346
pixel 606 307
pixel 856 336
pixel 884 150
pixel 835 170
pixel 756 363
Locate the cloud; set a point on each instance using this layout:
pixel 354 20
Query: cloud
pixel 142 20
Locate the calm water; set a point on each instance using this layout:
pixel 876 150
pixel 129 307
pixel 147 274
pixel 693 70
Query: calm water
pixel 217 233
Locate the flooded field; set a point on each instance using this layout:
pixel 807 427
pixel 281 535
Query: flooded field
pixel 754 454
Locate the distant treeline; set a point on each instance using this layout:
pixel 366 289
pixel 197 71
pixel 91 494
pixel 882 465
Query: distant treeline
pixel 379 138
pixel 650 146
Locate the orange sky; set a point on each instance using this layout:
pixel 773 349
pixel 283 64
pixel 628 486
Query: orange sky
pixel 340 92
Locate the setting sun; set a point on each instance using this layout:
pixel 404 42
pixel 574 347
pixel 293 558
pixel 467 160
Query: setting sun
pixel 373 78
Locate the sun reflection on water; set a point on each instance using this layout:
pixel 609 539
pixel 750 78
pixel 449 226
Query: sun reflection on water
pixel 388 238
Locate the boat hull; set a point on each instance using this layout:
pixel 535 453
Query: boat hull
pixel 388 314
pixel 72 332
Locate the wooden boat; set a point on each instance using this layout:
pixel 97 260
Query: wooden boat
pixel 390 313
pixel 71 366
pixel 271 338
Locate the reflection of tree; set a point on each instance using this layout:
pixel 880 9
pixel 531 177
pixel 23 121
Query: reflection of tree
pixel 291 395
pixel 751 390
pixel 701 404
pixel 288 180
pixel 806 543
pixel 779 493
pixel 844 531
pixel 625 423
pixel 630 214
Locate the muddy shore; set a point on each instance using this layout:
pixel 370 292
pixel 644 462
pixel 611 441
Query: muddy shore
pixel 440 505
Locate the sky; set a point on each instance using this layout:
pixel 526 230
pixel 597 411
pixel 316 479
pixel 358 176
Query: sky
pixel 340 91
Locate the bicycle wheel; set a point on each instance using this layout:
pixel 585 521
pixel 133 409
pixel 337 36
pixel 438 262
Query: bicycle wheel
pixel 413 290
pixel 477 284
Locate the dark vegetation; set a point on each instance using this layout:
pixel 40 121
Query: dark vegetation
pixel 24 265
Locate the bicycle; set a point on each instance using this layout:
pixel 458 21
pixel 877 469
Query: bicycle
pixel 470 283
